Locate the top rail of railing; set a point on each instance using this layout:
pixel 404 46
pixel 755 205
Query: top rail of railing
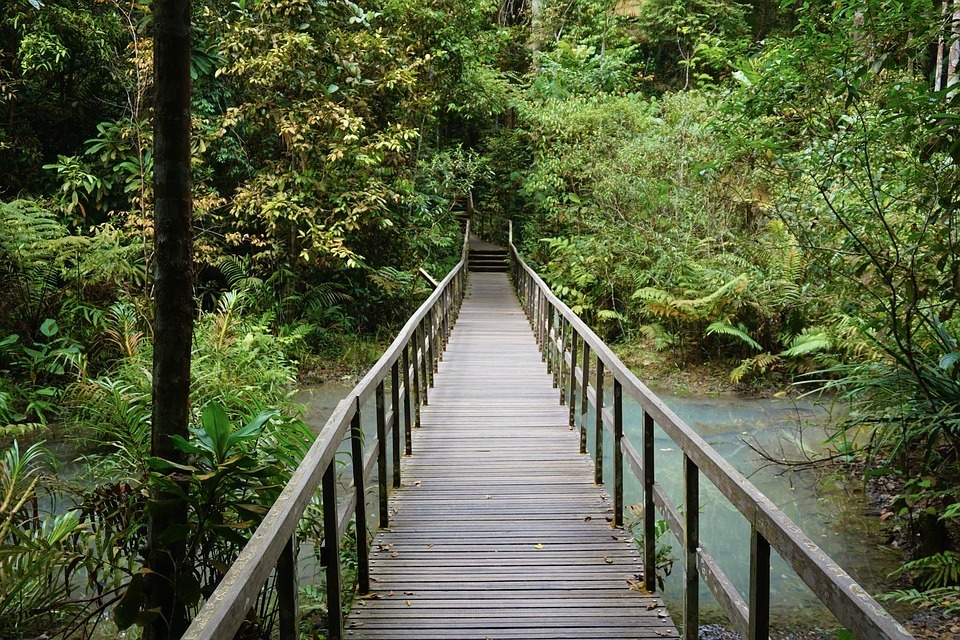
pixel 412 355
pixel 562 334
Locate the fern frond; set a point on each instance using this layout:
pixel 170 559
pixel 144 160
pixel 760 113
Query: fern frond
pixel 740 332
pixel 807 343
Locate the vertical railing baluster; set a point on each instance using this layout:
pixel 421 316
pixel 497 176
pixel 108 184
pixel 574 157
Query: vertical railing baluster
pixel 287 591
pixel 598 426
pixel 407 391
pixel 617 453
pixel 382 457
pixel 649 514
pixel 562 360
pixel 585 397
pixel 422 344
pixel 395 421
pixel 360 511
pixel 572 401
pixel 691 541
pixel 444 321
pixel 431 325
pixel 551 346
pixel 416 376
pixel 332 550
pixel 759 623
pixel 542 323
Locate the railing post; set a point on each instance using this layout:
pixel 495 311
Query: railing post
pixel 332 544
pixel 407 391
pixel 691 541
pixel 617 453
pixel 585 397
pixel 431 324
pixel 649 514
pixel 759 622
pixel 562 361
pixel 424 380
pixel 544 329
pixel 444 320
pixel 360 486
pixel 395 421
pixel 550 350
pixel 598 426
pixel 572 400
pixel 382 457
pixel 287 591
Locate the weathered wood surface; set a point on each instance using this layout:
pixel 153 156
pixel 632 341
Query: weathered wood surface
pixel 498 530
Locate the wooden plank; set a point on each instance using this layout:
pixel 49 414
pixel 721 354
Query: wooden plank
pixel 498 530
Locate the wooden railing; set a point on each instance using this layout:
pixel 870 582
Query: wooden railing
pixel 572 351
pixel 409 364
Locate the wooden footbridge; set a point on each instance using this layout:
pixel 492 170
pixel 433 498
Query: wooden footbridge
pixel 491 521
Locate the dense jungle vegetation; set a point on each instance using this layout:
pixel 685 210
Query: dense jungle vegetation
pixel 769 187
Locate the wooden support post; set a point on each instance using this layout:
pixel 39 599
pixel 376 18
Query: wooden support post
pixel 287 591
pixel 431 348
pixel 617 453
pixel 691 542
pixel 584 397
pixel 541 325
pixel 649 512
pixel 360 485
pixel 562 360
pixel 396 435
pixel 598 426
pixel 407 392
pixel 572 399
pixel 332 545
pixel 416 376
pixel 550 350
pixel 444 321
pixel 424 379
pixel 759 622
pixel 382 457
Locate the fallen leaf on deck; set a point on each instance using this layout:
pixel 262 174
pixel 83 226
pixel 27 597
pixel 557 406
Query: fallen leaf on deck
pixel 408 603
pixel 538 546
pixel 588 519
pixel 652 606
pixel 395 554
pixel 608 560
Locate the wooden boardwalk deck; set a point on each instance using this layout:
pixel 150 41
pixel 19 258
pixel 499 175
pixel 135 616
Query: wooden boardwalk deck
pixel 499 531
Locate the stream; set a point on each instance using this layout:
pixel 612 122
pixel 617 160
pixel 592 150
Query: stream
pixel 832 510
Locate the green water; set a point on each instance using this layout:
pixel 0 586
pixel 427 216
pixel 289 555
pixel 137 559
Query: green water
pixel 832 510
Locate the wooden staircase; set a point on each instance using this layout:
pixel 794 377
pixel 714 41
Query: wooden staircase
pixel 488 260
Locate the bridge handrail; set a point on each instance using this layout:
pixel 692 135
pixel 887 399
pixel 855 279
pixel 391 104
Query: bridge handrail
pixel 559 330
pixel 412 354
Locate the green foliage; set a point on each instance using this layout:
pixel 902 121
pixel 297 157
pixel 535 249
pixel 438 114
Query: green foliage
pixel 691 43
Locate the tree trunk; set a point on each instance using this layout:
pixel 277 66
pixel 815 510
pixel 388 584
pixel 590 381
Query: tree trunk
pixel 941 40
pixel 173 304
pixel 954 57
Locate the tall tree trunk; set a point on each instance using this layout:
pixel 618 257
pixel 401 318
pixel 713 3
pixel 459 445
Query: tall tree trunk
pixel 954 57
pixel 938 70
pixel 173 304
